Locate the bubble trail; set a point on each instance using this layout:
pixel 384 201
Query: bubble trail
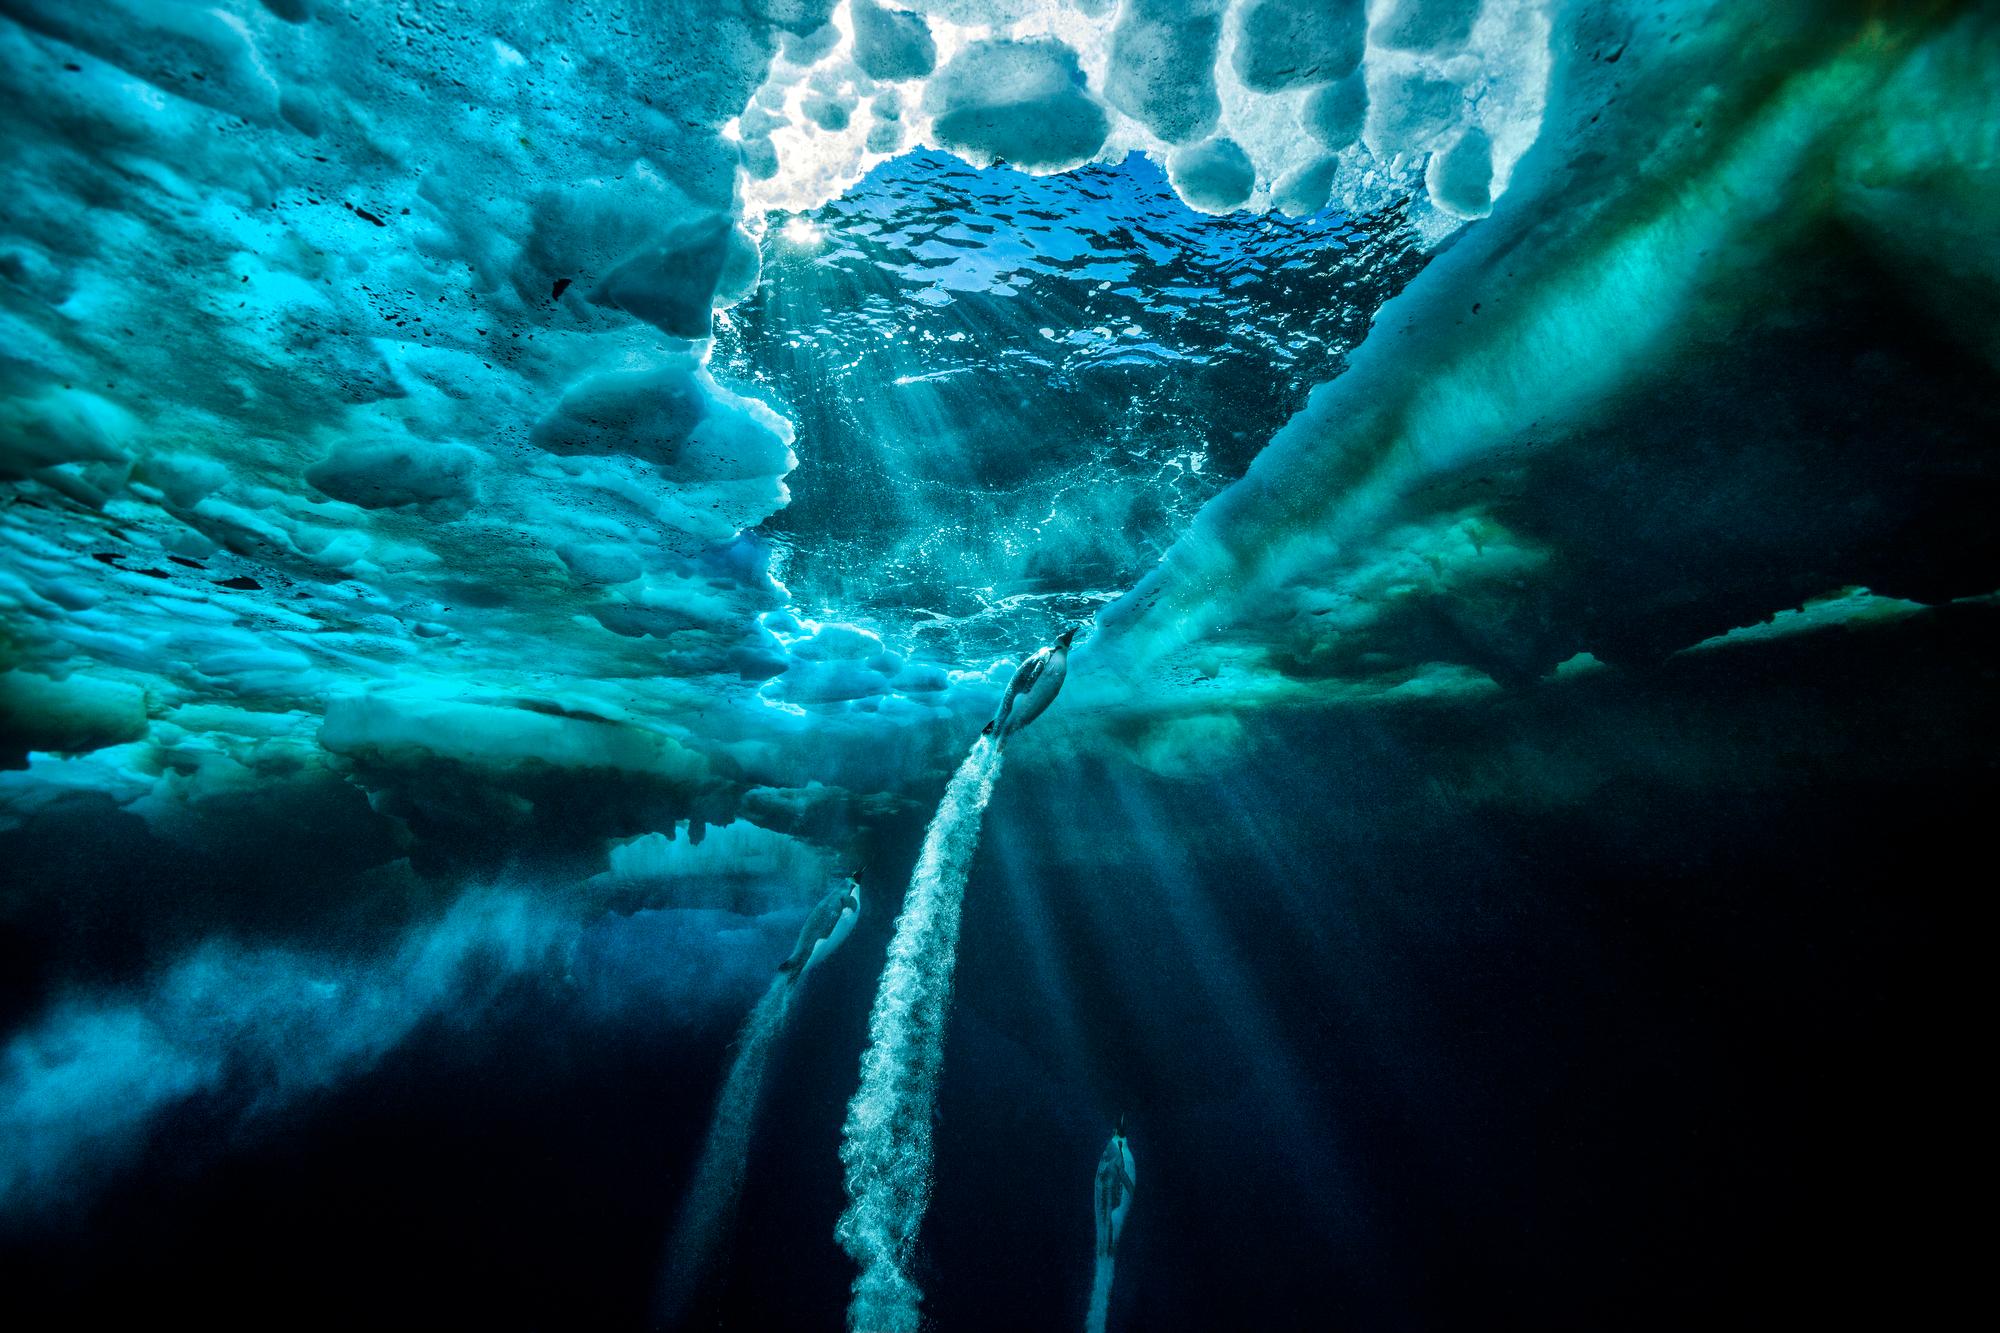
pixel 1100 1295
pixel 710 1204
pixel 886 1145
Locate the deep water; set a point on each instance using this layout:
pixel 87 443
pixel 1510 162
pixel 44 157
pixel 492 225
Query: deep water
pixel 1393 1056
pixel 508 514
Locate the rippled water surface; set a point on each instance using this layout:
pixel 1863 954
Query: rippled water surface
pixel 1012 392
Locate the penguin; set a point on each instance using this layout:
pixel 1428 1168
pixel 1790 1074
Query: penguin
pixel 826 929
pixel 1036 683
pixel 1116 1175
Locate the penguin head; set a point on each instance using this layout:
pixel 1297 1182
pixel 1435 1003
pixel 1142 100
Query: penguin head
pixel 1062 639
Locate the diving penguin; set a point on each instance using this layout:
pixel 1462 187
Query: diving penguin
pixel 1036 683
pixel 1116 1176
pixel 826 929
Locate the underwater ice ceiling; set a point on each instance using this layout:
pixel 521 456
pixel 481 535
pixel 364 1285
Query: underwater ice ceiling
pixel 615 456
pixel 451 338
pixel 448 336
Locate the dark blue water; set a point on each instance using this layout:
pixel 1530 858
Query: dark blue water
pixel 1390 1059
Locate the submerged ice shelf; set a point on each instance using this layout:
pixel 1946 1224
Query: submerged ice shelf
pixel 439 368
pixel 414 435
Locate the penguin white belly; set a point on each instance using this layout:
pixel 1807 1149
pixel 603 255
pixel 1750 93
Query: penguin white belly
pixel 833 940
pixel 1114 1183
pixel 1125 1202
pixel 1118 1222
pixel 1040 695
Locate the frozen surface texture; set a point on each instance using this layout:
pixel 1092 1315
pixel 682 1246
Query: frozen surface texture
pixel 448 444
pixel 1044 85
pixel 351 350
pixel 1462 509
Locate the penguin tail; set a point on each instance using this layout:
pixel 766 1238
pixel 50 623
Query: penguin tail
pixel 986 730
